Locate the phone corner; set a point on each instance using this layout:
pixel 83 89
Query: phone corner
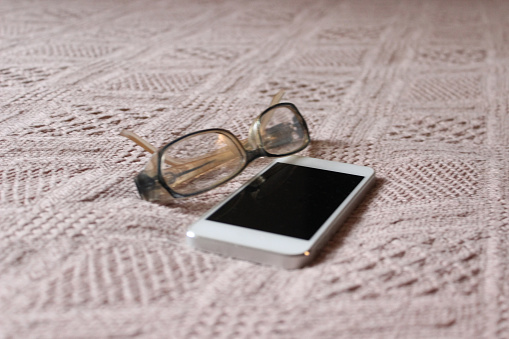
pixel 191 238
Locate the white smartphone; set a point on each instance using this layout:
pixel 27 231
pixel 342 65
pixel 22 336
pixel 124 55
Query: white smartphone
pixel 285 214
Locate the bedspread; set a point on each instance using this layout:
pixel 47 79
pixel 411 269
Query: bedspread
pixel 417 90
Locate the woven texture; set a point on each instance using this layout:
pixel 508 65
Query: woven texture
pixel 418 90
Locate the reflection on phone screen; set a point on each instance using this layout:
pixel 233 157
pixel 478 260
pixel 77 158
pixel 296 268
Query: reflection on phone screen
pixel 289 200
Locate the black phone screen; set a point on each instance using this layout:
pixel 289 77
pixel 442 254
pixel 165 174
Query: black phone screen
pixel 288 199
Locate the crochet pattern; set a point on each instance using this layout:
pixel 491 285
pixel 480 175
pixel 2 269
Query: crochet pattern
pixel 417 90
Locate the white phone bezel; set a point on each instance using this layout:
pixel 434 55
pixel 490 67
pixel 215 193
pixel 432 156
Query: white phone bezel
pixel 260 246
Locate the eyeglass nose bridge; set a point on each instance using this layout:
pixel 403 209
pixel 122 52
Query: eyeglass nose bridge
pixel 254 154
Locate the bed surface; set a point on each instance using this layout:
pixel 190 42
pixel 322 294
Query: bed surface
pixel 417 90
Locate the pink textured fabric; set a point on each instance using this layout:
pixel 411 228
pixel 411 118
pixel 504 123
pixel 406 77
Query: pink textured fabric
pixel 418 90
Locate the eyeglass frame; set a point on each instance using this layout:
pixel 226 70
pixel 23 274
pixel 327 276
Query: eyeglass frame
pixel 249 155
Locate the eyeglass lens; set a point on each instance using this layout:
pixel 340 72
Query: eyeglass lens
pixel 282 131
pixel 201 161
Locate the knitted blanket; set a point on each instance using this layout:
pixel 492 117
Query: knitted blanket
pixel 417 90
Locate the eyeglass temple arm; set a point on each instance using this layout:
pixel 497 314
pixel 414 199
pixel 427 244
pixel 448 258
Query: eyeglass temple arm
pixel 277 98
pixel 147 146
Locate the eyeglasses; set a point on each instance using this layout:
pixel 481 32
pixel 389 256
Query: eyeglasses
pixel 203 160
